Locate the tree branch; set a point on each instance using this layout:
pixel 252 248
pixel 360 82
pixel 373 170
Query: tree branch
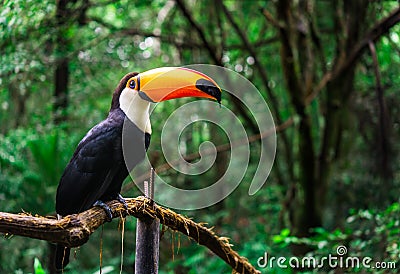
pixel 376 32
pixel 74 230
pixel 384 119
pixel 271 19
pixel 381 28
pixel 200 32
pixel 264 79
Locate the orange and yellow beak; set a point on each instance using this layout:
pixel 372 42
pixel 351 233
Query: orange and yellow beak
pixel 167 83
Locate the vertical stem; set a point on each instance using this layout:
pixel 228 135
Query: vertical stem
pixel 147 246
pixel 147 238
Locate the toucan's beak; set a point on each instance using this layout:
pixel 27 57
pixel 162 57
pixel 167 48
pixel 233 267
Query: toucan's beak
pixel 167 83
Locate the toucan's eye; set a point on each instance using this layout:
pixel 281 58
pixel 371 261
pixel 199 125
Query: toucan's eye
pixel 132 84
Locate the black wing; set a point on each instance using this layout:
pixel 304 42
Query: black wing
pixel 97 168
pixel 95 165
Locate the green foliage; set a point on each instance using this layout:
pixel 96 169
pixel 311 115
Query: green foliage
pixel 368 233
pixel 38 267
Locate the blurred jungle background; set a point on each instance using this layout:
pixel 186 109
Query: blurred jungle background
pixel 329 70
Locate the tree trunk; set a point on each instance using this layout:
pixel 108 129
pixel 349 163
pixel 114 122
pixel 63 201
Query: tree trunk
pixel 61 73
pixel 298 43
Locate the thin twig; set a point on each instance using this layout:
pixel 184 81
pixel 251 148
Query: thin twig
pixel 199 30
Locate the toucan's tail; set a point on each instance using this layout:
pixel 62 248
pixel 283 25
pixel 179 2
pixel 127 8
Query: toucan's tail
pixel 62 257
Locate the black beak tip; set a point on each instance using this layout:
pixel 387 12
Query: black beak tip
pixel 209 88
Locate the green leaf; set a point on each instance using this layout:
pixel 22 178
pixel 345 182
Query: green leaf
pixel 37 266
pixel 285 232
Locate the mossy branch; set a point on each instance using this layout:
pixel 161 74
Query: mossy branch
pixel 74 230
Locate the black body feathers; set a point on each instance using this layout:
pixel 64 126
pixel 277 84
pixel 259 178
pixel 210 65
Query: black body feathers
pixel 97 169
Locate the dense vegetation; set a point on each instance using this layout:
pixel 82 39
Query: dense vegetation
pixel 328 69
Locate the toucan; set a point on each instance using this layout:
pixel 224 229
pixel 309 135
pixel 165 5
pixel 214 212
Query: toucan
pixel 97 169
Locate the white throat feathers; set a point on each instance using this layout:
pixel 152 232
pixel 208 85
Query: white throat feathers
pixel 136 109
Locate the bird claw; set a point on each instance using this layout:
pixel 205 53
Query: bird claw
pixel 106 208
pixel 122 201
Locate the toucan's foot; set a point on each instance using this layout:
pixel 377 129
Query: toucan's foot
pixel 106 208
pixel 122 201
